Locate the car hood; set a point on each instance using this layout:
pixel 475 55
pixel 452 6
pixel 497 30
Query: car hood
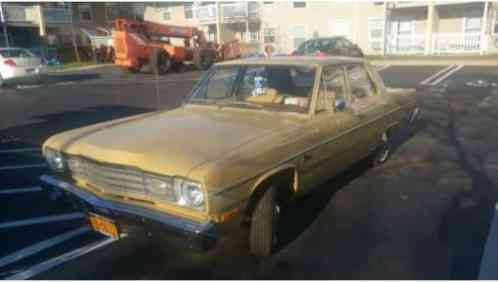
pixel 171 142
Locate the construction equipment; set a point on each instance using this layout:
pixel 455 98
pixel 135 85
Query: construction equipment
pixel 138 43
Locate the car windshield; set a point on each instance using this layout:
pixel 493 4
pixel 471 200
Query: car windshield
pixel 16 53
pixel 287 88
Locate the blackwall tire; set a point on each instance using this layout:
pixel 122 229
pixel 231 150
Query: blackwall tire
pixel 264 220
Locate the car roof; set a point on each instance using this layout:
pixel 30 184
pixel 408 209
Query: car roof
pixel 293 61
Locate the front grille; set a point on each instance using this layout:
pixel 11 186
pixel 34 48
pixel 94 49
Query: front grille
pixel 109 178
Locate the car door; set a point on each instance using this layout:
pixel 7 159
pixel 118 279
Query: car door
pixel 368 106
pixel 335 121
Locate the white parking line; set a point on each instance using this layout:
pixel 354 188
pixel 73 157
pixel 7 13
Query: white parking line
pixel 447 75
pixel 39 165
pixel 427 80
pixel 42 220
pixel 53 262
pixel 40 246
pixel 20 190
pixel 383 67
pixel 20 150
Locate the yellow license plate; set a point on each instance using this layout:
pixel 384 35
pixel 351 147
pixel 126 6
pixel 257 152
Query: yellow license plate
pixel 103 225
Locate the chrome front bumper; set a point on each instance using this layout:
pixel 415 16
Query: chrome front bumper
pixel 184 226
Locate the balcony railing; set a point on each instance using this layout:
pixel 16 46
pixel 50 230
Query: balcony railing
pixel 406 43
pixel 229 12
pixel 57 15
pixel 456 42
pixel 240 11
pixel 206 13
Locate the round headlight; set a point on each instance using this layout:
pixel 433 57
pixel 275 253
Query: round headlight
pixel 191 194
pixel 54 159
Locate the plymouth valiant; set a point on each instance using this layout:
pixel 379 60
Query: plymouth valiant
pixel 254 135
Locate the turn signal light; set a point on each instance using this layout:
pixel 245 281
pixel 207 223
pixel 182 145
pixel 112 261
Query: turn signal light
pixel 10 62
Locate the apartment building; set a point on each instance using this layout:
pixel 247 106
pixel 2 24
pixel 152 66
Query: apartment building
pixel 220 21
pixel 53 25
pixel 430 28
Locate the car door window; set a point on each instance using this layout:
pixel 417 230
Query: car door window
pixel 332 95
pixel 221 84
pixel 360 82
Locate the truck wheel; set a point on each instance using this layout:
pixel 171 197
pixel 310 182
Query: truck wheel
pixel 383 151
pixel 263 233
pixel 160 61
pixel 205 58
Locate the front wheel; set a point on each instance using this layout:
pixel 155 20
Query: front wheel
pixel 263 232
pixel 160 62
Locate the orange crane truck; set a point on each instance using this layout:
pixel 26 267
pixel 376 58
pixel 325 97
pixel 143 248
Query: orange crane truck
pixel 139 43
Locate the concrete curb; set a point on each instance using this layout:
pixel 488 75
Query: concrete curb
pixel 82 68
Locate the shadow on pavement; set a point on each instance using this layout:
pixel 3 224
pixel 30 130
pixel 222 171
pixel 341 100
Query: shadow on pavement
pixel 33 134
pixel 466 222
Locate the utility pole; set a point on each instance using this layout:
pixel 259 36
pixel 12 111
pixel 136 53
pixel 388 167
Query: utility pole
pixel 484 30
pixel 218 22
pixel 4 25
pixel 73 35
pixel 386 28
pixel 42 30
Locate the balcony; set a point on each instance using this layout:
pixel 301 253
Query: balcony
pixel 206 14
pixel 57 15
pixel 230 12
pixel 406 44
pixel 240 11
pixel 447 43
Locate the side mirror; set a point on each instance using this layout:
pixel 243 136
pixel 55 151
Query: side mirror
pixel 340 104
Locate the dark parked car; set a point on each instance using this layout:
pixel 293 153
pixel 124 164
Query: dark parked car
pixel 329 46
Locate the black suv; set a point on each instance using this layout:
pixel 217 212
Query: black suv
pixel 329 46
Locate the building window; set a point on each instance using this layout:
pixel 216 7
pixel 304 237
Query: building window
pixel 166 14
pixel 299 34
pixel 299 4
pixel 189 11
pixel 85 12
pixel 253 36
pixel 269 35
pixel 139 11
pixel 375 32
pixel 496 26
pixel 111 11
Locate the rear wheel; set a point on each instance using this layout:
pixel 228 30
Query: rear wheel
pixel 264 220
pixel 160 61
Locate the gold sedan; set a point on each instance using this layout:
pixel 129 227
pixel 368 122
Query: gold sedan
pixel 253 135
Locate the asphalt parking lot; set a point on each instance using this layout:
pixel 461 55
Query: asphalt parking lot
pixel 425 214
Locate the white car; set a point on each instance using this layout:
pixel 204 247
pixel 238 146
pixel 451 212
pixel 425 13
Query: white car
pixel 18 65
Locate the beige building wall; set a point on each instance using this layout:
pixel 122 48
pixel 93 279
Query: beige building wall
pixel 320 18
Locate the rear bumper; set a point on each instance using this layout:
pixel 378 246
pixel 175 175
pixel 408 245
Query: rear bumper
pixel 133 219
